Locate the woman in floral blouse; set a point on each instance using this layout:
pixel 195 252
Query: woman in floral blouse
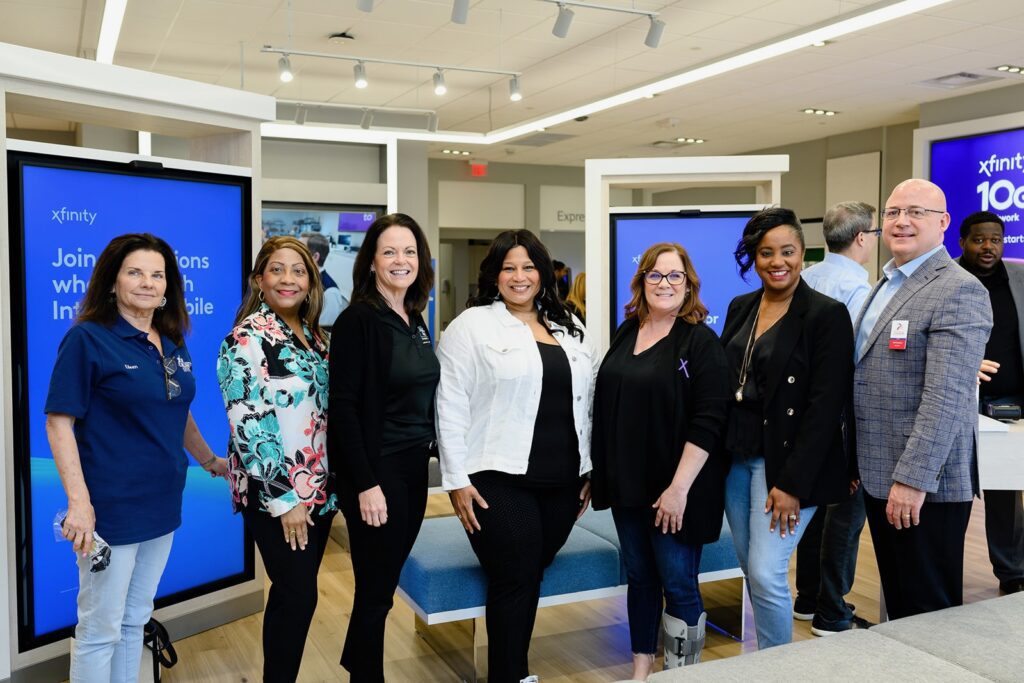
pixel 273 375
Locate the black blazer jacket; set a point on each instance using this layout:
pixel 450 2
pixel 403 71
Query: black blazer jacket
pixel 806 444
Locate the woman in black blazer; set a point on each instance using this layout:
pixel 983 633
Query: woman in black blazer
pixel 790 352
pixel 659 409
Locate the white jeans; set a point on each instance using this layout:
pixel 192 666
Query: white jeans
pixel 113 607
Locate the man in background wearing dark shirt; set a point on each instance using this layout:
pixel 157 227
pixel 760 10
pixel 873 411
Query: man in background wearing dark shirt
pixel 981 238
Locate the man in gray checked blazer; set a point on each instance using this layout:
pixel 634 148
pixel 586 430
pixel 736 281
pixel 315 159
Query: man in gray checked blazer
pixel 920 340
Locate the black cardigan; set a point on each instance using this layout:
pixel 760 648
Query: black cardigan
pixel 806 403
pixel 360 365
pixel 698 416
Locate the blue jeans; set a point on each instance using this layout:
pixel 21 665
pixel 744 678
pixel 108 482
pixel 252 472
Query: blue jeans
pixel 763 555
pixel 658 567
pixel 113 606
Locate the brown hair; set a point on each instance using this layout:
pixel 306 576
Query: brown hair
pixel 692 310
pixel 310 309
pixel 100 306
pixel 578 294
pixel 364 280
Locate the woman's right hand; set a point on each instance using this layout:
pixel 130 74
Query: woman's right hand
pixel 462 500
pixel 373 506
pixel 78 526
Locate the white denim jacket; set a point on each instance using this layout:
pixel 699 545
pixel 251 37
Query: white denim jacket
pixel 489 393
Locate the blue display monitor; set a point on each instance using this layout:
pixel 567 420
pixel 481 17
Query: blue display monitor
pixel 709 237
pixel 983 173
pixel 64 211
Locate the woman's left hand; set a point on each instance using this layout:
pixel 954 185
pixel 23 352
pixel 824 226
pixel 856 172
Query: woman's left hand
pixel 218 467
pixel 584 498
pixel 785 511
pixel 671 505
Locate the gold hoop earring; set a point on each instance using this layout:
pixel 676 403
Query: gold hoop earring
pixel 261 296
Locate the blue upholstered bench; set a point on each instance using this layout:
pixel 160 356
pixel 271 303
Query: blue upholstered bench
pixel 443 583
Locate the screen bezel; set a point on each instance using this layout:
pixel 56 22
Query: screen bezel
pixel 16 161
pixel 613 306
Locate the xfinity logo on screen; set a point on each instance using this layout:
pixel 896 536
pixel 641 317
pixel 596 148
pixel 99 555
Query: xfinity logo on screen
pixel 64 215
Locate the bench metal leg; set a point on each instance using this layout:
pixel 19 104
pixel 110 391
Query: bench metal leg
pixel 462 645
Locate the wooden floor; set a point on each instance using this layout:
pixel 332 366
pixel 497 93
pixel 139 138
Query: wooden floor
pixel 584 643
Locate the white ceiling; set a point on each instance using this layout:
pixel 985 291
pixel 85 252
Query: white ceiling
pixel 871 77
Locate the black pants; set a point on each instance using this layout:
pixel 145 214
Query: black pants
pixel 293 591
pixel 826 560
pixel 520 533
pixel 378 554
pixel 922 568
pixel 1004 528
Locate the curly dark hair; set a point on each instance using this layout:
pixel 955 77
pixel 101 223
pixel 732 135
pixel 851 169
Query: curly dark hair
pixel 550 306
pixel 99 306
pixel 754 231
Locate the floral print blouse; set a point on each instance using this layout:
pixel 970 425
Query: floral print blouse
pixel 275 392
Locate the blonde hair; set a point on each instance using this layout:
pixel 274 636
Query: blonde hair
pixel 309 310
pixel 578 294
pixel 692 310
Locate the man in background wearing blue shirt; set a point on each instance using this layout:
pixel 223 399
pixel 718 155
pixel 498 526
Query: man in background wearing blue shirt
pixel 826 558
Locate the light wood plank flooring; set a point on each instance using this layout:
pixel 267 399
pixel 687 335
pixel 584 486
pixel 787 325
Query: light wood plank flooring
pixel 582 643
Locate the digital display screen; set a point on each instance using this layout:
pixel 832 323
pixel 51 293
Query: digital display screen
pixel 983 173
pixel 709 238
pixel 67 210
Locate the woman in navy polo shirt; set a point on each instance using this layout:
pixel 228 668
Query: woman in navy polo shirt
pixel 117 421
pixel 272 370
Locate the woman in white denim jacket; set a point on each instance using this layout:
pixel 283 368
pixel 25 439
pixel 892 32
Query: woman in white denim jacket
pixel 513 425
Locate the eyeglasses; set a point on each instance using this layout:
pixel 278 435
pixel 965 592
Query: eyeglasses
pixel 171 385
pixel 914 212
pixel 876 231
pixel 653 277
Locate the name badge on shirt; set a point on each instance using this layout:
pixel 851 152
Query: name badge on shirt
pixel 898 334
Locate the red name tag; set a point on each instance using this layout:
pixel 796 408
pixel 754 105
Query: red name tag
pixel 898 344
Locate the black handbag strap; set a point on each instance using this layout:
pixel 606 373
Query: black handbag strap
pixel 156 638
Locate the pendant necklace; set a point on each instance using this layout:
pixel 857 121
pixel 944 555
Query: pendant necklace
pixel 748 353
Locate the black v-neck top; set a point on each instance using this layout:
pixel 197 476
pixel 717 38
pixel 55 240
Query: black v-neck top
pixel 555 452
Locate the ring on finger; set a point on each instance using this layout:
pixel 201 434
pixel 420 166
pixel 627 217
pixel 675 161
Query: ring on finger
pixel 792 516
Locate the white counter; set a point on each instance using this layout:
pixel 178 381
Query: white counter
pixel 1000 454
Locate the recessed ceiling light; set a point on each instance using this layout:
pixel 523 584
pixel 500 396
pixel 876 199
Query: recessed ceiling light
pixel 819 112
pixel 700 141
pixel 1014 69
pixel 1004 67
pixel 819 43
pixel 830 113
pixel 808 111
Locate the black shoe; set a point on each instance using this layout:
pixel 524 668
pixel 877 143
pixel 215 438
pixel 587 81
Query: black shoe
pixel 804 611
pixel 1015 586
pixel 820 629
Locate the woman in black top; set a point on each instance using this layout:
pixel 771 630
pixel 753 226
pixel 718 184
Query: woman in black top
pixel 381 427
pixel 790 352
pixel 659 407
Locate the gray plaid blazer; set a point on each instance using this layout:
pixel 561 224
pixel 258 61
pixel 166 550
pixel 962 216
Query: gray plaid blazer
pixel 916 409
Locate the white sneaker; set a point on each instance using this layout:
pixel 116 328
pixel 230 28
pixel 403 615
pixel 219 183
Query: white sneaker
pixel 530 679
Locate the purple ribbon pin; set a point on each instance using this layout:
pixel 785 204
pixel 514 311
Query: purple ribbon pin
pixel 682 367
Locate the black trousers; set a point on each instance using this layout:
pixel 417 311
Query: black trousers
pixel 1004 528
pixel 293 591
pixel 922 568
pixel 378 554
pixel 521 531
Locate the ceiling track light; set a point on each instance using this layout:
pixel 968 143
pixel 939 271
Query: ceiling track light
pixel 563 22
pixel 359 72
pixel 364 5
pixel 1010 68
pixel 284 69
pixel 460 11
pixel 654 32
pixel 300 115
pixel 367 119
pixel 514 93
pixel 565 15
pixel 432 123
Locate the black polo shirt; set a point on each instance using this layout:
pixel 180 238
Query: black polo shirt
pixel 412 381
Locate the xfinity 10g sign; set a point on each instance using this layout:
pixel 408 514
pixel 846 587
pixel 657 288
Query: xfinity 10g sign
pixel 983 173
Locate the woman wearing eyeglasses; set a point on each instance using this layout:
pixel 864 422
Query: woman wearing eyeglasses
pixel 790 352
pixel 117 421
pixel 659 407
pixel 272 370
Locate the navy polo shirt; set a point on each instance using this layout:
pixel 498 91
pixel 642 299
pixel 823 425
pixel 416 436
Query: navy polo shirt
pixel 130 435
